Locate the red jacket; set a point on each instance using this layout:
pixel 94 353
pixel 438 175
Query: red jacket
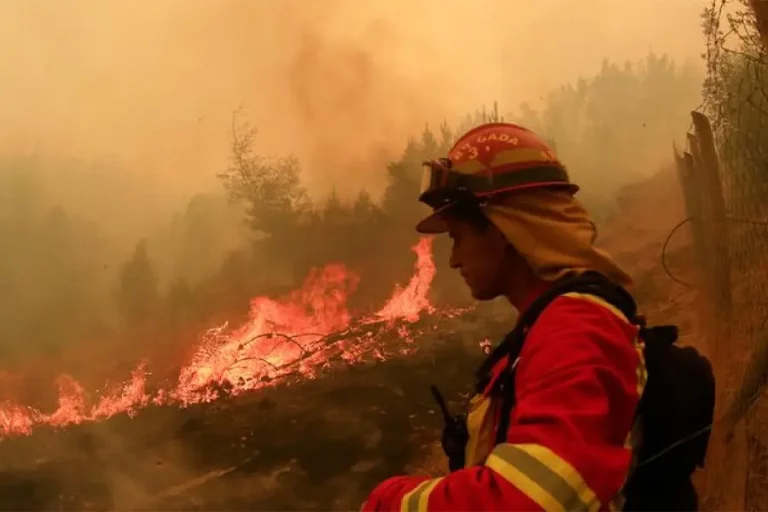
pixel 578 382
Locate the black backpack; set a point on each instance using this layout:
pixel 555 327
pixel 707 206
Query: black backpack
pixel 676 409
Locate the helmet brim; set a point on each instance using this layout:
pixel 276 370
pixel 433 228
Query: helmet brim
pixel 435 223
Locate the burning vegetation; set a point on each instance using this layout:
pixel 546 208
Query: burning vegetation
pixel 216 399
pixel 298 336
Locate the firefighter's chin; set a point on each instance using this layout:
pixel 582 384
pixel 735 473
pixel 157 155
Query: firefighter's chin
pixel 480 293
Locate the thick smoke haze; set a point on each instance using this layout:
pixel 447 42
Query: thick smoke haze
pixel 150 259
pixel 119 245
pixel 117 116
pixel 340 84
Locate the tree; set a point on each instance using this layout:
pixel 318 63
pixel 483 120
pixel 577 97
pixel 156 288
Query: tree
pixel 400 201
pixel 138 295
pixel 614 128
pixel 277 207
pixel 51 268
pixel 181 304
pixel 479 117
pixel 736 92
pixel 269 187
pixel 197 240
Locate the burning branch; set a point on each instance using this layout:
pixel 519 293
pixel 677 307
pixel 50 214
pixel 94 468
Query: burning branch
pixel 296 337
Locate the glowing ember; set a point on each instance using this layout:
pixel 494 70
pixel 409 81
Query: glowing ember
pixel 300 335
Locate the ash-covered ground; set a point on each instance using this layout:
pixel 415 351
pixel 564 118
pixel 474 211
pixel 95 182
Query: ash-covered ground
pixel 312 445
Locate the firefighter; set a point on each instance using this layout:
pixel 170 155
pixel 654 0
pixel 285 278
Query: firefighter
pixel 506 201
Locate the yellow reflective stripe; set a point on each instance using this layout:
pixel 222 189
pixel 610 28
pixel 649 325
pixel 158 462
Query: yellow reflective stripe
pixel 567 472
pixel 641 372
pixel 481 421
pixel 417 499
pixel 600 302
pixel 525 484
pixel 543 476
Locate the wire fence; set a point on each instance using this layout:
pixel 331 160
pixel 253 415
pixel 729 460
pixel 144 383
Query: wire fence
pixel 724 176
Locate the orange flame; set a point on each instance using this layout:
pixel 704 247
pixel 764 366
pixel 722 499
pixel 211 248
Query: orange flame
pixel 299 335
pixel 409 302
pixel 278 334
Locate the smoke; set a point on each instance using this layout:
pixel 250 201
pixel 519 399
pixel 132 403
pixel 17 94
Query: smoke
pixel 340 84
pixel 142 94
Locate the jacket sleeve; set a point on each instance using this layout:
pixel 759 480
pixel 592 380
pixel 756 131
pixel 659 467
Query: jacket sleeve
pixel 578 383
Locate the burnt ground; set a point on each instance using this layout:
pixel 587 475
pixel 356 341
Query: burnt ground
pixel 314 445
pixel 321 444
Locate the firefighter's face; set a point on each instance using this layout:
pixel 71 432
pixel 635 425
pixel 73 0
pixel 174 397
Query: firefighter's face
pixel 483 257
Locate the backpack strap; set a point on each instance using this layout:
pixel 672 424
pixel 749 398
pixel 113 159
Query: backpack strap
pixel 591 283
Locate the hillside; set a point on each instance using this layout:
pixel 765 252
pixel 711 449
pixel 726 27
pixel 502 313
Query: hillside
pixel 321 443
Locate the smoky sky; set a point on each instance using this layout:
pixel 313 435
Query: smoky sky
pixel 341 84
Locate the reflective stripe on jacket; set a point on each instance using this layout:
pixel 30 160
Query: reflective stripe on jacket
pixel 577 385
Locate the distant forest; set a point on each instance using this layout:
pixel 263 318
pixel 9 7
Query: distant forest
pixel 67 281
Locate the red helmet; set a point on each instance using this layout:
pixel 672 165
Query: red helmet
pixel 489 159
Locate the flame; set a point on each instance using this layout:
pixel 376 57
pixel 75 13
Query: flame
pixel 298 336
pixel 277 335
pixel 409 302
